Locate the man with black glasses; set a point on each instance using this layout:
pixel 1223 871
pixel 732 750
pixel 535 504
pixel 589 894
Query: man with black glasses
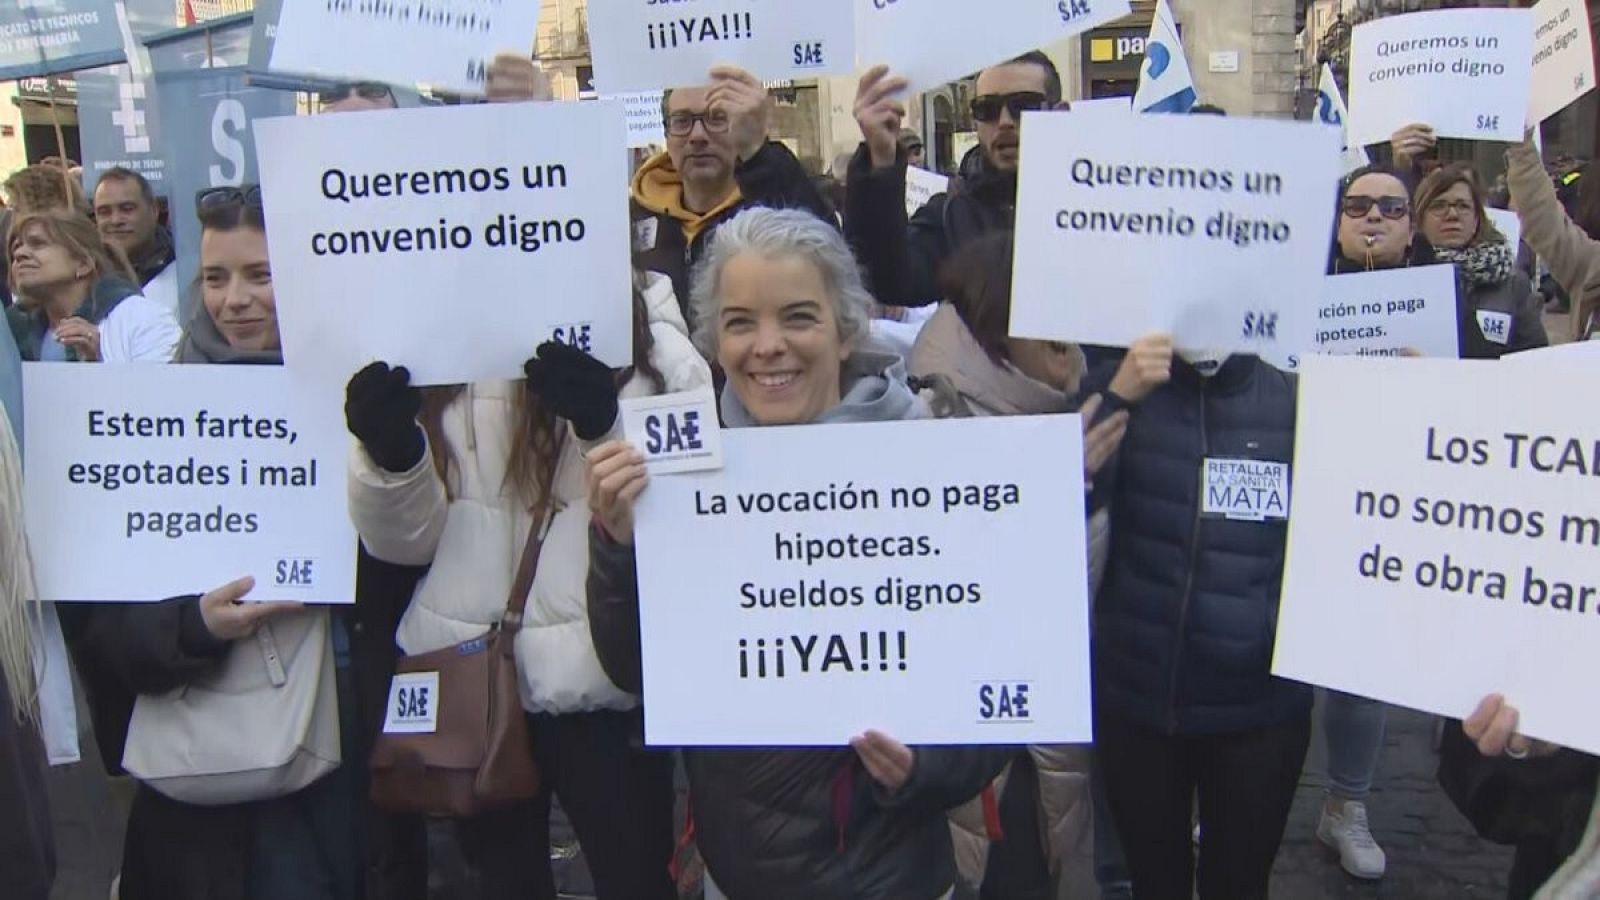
pixel 718 163
pixel 902 258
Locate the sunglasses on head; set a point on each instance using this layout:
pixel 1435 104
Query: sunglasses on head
pixel 1356 206
pixel 219 197
pixel 987 108
pixel 366 90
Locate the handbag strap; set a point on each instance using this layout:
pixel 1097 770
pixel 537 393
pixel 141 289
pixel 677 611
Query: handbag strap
pixel 528 565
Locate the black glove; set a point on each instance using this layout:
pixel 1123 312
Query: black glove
pixel 381 407
pixel 575 386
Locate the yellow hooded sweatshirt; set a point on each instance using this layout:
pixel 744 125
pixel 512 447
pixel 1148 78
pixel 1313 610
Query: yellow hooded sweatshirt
pixel 658 187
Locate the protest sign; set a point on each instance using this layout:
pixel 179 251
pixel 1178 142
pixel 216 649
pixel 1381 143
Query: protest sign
pixel 922 186
pixel 443 43
pixel 1205 227
pixel 1450 532
pixel 263 38
pixel 938 597
pixel 148 482
pixel 646 45
pixel 48 37
pixel 1506 222
pixel 1104 106
pixel 455 258
pixel 1466 72
pixel 1391 312
pixel 675 432
pixel 645 125
pixel 921 40
pixel 1563 57
pixel 119 125
pixel 205 131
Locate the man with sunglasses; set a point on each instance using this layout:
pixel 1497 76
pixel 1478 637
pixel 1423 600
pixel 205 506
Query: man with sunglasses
pixel 718 162
pixel 902 257
pixel 357 97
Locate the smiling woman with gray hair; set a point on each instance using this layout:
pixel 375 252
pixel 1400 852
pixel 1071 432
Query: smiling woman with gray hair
pixel 779 304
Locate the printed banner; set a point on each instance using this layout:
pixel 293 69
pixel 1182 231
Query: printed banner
pixel 924 41
pixel 48 37
pixel 646 45
pixel 1466 72
pixel 1450 531
pixel 454 258
pixel 894 589
pixel 1205 227
pixel 1392 312
pixel 444 43
pixel 119 125
pixel 148 482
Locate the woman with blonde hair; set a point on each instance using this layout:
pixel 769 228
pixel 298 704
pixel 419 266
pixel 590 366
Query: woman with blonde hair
pixel 27 851
pixel 77 299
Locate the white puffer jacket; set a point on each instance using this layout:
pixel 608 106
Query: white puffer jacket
pixel 473 535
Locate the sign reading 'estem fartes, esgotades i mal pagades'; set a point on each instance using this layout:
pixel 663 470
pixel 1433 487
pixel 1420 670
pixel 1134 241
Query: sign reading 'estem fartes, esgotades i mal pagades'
pixel 148 482
pixel 835 578
pixel 646 45
pixel 1457 543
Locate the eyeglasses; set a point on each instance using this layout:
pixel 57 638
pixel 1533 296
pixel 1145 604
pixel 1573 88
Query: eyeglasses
pixel 1356 206
pixel 680 124
pixel 987 108
pixel 1462 208
pixel 366 90
pixel 219 197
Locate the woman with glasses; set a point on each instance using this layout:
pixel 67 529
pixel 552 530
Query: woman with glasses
pixel 77 300
pixel 1499 312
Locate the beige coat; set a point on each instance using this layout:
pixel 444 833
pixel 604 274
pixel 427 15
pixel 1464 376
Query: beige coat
pixel 1573 257
pixel 473 534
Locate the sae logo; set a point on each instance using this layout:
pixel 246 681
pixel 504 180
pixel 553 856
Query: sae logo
pixel 676 432
pixel 1004 701
pixel 672 432
pixel 295 573
pixel 809 55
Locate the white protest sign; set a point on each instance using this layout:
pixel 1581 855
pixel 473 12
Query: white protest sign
pixel 922 186
pixel 1382 313
pixel 1563 57
pixel 176 480
pixel 926 42
pixel 1454 542
pixel 443 43
pixel 1208 228
pixel 647 45
pixel 1104 106
pixel 836 578
pixel 675 432
pixel 646 127
pixel 1464 71
pixel 1506 222
pixel 454 258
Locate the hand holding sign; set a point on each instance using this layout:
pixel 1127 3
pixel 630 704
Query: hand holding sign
pixel 879 114
pixel 81 336
pixel 514 78
pixel 1493 727
pixel 888 761
pixel 617 476
pixel 575 386
pixel 380 409
pixel 229 618
pixel 744 98
pixel 1412 142
pixel 1147 366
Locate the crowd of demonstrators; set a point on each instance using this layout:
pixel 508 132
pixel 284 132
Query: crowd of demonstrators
pixel 743 266
pixel 780 307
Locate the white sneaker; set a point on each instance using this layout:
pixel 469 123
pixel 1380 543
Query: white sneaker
pixel 1359 854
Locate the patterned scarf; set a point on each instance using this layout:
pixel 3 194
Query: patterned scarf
pixel 1484 264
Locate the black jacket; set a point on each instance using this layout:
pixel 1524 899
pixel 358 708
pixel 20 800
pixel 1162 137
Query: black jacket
pixel 771 178
pixel 1186 618
pixel 1536 803
pixel 799 824
pixel 902 257
pixel 27 844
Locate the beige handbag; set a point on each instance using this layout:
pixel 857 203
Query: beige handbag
pixel 265 724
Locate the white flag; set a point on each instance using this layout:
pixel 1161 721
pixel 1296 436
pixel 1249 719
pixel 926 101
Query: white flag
pixel 1165 85
pixel 1331 111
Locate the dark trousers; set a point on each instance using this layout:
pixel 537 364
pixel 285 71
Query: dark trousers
pixel 618 797
pixel 1244 782
pixel 1018 869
